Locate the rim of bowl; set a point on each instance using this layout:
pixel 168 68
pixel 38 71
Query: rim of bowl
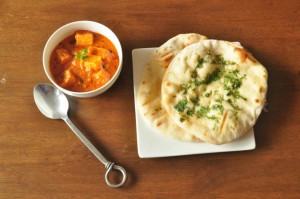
pixel 116 41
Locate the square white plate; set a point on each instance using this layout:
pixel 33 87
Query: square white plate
pixel 153 144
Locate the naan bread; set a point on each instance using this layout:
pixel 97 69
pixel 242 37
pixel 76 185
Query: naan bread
pixel 149 93
pixel 214 90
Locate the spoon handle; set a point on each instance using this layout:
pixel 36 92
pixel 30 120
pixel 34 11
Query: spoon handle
pixel 108 165
pixel 87 143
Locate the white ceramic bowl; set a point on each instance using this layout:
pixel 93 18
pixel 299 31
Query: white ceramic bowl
pixel 68 30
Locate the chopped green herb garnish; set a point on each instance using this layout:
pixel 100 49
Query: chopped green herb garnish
pixel 230 102
pixel 202 112
pixel 216 75
pixel 213 117
pixel 239 96
pixel 234 115
pixel 190 112
pixel 232 82
pixel 182 119
pixel 194 74
pixel 220 60
pixel 185 87
pixel 195 100
pixel 208 94
pixel 200 62
pixel 220 99
pixel 218 107
pixel 82 55
pixel 180 106
pixel 197 82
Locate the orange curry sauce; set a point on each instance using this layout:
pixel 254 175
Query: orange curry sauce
pixel 84 61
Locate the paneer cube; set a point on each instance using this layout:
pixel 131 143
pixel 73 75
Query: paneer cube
pixel 105 54
pixel 84 38
pixel 68 79
pixel 93 63
pixel 102 77
pixel 96 51
pixel 63 55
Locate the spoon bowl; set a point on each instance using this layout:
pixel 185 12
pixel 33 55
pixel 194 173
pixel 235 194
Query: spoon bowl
pixel 51 101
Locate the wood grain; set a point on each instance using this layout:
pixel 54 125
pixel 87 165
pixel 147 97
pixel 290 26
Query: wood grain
pixel 42 158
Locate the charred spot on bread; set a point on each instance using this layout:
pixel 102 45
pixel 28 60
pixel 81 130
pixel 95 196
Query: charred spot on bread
pixel 244 55
pixel 261 89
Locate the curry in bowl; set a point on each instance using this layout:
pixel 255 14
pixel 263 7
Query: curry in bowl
pixel 84 61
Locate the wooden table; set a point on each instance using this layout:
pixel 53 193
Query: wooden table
pixel 42 158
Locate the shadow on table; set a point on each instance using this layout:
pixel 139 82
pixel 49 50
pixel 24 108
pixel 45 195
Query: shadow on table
pixel 277 117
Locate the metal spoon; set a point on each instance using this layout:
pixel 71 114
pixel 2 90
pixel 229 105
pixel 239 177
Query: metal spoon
pixel 54 104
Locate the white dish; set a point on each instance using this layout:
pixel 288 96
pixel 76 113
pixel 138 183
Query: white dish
pixel 70 29
pixel 153 144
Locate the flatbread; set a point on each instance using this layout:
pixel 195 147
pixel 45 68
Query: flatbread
pixel 149 93
pixel 215 90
